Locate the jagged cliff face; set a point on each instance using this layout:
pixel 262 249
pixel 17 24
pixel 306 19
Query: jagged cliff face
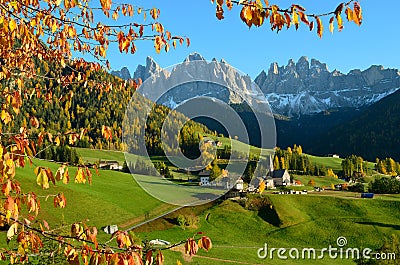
pixel 123 73
pixel 305 88
pixel 219 72
pixel 295 89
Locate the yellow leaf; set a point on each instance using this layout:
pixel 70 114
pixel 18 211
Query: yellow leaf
pixel 5 116
pixel 57 141
pixel 349 14
pixel 339 22
pixel 128 241
pixel 8 215
pixel 331 27
pixel 295 19
pixel 42 179
pixel 54 27
pixel 262 187
pixel 12 25
pixel 19 82
pixel 65 177
pixel 36 170
pixel 12 231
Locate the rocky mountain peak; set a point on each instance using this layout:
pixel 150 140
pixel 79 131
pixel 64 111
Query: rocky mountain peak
pixel 151 65
pixel 194 57
pixel 144 72
pixel 302 87
pixel 320 67
pixel 309 87
pixel 303 67
pixel 123 73
pixel 273 69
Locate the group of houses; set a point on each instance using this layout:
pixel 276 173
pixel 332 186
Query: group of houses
pixel 272 179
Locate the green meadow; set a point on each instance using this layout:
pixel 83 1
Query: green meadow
pixel 306 221
pixel 112 198
pixel 314 220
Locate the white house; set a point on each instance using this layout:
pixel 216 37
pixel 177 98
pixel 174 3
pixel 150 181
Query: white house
pixel 269 183
pixel 159 242
pixel 112 165
pixel 281 177
pixel 110 229
pixel 205 181
pixel 239 184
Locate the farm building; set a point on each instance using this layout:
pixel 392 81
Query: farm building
pixel 281 177
pixel 239 184
pixel 113 165
pixel 205 181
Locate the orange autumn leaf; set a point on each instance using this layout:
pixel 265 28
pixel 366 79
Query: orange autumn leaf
pixel 261 187
pixel 106 4
pixel 154 12
pixel 205 243
pixel 320 27
pixel 191 247
pixel 246 15
pixel 159 258
pixel 349 14
pixel 304 18
pixel 80 176
pixel 219 13
pixel 331 27
pixel 34 121
pixel 357 17
pixel 106 132
pixel 60 201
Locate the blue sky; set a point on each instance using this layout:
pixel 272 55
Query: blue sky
pixel 375 42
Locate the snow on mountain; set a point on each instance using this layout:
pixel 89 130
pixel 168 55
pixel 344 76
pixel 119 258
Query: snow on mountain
pixel 306 88
pixel 302 87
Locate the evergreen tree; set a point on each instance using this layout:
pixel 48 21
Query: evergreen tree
pixel 215 170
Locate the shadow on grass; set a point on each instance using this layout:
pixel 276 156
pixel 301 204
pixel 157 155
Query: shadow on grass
pixel 269 215
pixel 397 227
pixel 172 221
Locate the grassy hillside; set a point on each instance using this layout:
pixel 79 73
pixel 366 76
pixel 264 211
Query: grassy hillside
pixel 93 155
pixel 373 133
pixel 306 221
pixel 113 198
pixel 313 220
pixel 328 162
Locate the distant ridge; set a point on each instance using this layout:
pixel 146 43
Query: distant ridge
pixel 373 133
pixel 306 86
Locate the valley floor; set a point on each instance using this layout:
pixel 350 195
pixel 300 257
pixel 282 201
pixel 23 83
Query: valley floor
pixel 315 220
